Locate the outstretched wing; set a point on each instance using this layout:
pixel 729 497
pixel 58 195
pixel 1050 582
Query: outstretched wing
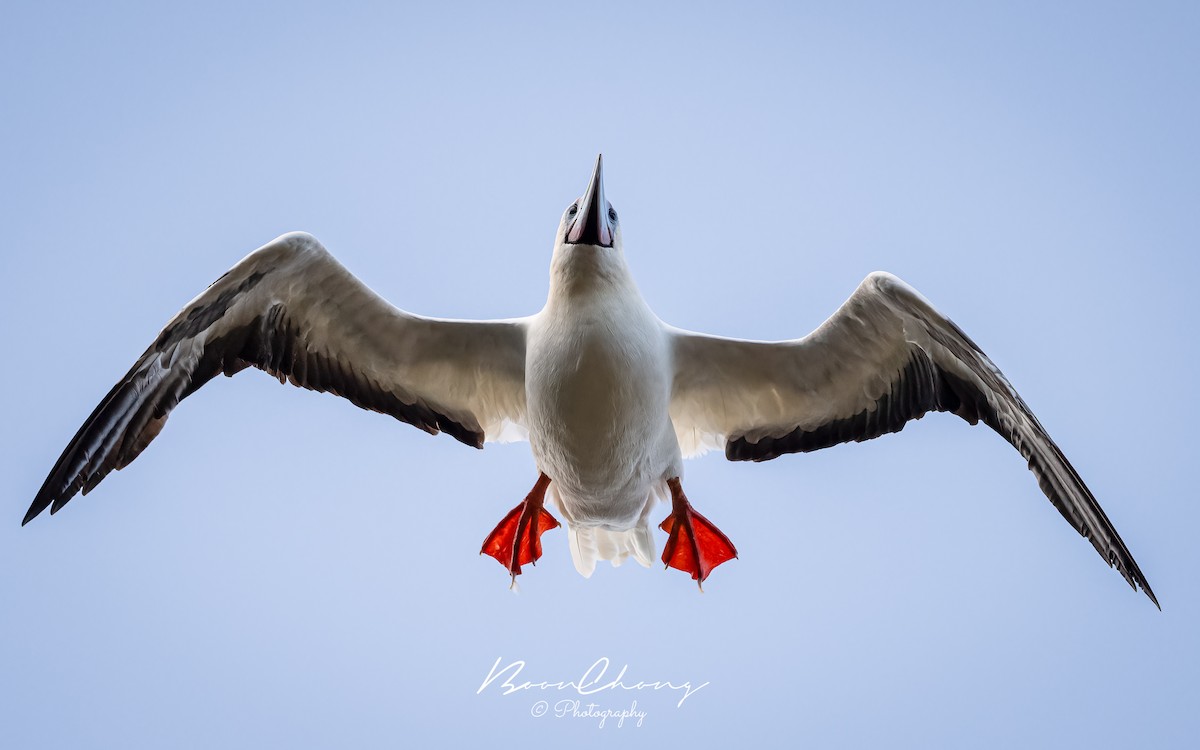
pixel 291 309
pixel 884 358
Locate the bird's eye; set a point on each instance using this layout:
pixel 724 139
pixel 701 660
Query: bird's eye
pixel 572 210
pixel 612 215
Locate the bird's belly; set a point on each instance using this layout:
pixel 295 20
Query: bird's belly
pixel 596 416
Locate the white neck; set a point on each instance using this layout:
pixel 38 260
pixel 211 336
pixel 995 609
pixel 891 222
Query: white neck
pixel 580 271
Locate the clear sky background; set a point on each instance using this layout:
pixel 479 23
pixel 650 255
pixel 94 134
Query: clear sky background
pixel 282 570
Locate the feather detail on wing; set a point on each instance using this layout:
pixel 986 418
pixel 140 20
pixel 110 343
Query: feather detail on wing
pixel 291 309
pixel 884 358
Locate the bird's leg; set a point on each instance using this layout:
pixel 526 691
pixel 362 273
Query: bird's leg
pixel 695 545
pixel 516 540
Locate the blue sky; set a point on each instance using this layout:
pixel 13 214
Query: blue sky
pixel 280 569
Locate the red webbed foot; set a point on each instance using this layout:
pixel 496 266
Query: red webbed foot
pixel 516 540
pixel 695 545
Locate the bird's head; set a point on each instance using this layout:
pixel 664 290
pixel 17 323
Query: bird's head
pixel 591 220
pixel 588 244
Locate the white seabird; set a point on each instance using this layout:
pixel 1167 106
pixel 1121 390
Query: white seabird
pixel 610 398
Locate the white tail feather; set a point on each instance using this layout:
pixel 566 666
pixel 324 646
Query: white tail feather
pixel 592 543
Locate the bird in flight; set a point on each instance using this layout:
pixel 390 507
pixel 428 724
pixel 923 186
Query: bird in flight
pixel 610 398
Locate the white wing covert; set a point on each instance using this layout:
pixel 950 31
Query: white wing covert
pixel 884 358
pixel 291 309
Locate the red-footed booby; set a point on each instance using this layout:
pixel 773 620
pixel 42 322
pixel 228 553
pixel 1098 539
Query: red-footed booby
pixel 610 398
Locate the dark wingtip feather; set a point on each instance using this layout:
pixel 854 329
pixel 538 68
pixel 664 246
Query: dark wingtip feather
pixel 1133 574
pixel 1153 598
pixel 33 512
